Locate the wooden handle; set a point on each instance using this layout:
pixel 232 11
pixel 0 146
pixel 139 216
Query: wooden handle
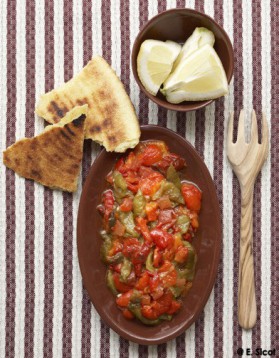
pixel 247 311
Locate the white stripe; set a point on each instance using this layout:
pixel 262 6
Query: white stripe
pixel 115 37
pixel 133 350
pixel 152 9
pixel 95 334
pixel 171 349
pixel 20 182
pixel 191 127
pixel 3 112
pixel 116 65
pixel 97 27
pixel 247 41
pixel 39 189
pixel 228 266
pixel 77 283
pixel 114 344
pixel 171 4
pixel 172 120
pixel 134 29
pixel 58 223
pixel 190 344
pixel 190 4
pixel 266 186
pixel 152 351
pixel 96 49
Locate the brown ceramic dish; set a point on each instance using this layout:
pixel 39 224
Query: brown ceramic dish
pixel 207 243
pixel 177 25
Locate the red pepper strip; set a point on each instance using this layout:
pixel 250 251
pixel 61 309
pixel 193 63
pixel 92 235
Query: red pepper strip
pixel 124 299
pixel 127 205
pixel 192 196
pixel 141 223
pixel 108 201
pixel 161 238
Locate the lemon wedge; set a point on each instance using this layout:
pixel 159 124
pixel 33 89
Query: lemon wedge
pixel 200 37
pixel 198 77
pixel 155 61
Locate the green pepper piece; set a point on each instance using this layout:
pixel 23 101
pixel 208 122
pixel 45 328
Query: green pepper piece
pixel 173 176
pixel 127 219
pixel 176 291
pixel 110 283
pixel 188 270
pixel 168 188
pixel 125 270
pixel 183 222
pixel 139 204
pixel 165 317
pixel 120 186
pixel 173 192
pixel 106 246
pixel 136 310
pixel 149 262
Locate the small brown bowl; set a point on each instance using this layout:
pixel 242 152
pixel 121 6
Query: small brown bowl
pixel 177 25
pixel 207 243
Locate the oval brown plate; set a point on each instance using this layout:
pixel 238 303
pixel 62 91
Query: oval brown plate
pixel 207 243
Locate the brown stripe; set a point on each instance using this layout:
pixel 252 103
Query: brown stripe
pixel 106 47
pixel 274 175
pixel 200 129
pixel 218 179
pixel 199 336
pixel 106 31
pixel 125 43
pixel 143 351
pixel 104 344
pixel 180 346
pixel 86 160
pixel 143 100
pixel 199 5
pixel 123 348
pixel 87 31
pixel 48 194
pixel 10 180
pixel 238 104
pixel 29 185
pixel 162 350
pixel 67 201
pixel 257 105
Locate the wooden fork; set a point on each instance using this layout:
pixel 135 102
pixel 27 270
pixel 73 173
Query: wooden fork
pixel 246 160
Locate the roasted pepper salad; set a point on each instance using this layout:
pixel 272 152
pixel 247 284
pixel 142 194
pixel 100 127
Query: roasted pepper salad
pixel 150 217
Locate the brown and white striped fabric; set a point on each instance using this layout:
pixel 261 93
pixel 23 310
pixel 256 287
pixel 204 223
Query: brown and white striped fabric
pixel 44 309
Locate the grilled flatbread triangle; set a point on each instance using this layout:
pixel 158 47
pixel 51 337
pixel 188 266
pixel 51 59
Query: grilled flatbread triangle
pixel 53 158
pixel 111 118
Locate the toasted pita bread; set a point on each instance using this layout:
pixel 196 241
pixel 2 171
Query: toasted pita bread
pixel 111 119
pixel 52 158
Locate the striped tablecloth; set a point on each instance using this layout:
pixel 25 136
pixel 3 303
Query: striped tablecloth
pixel 44 309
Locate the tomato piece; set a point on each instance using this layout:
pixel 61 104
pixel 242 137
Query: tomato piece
pixel 138 269
pixel 164 202
pixel 143 282
pixel 168 274
pixel 171 159
pixel 124 299
pixel 161 238
pixel 135 251
pixel 127 205
pixel 143 228
pixel 175 306
pixel 108 202
pixel 151 155
pixel 116 247
pixel 118 228
pixel 148 312
pixel 145 300
pixel 181 254
pixel 128 314
pixel 120 286
pixel 192 196
pixel 150 184
pixel 154 282
pixel 166 219
pixel 151 211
